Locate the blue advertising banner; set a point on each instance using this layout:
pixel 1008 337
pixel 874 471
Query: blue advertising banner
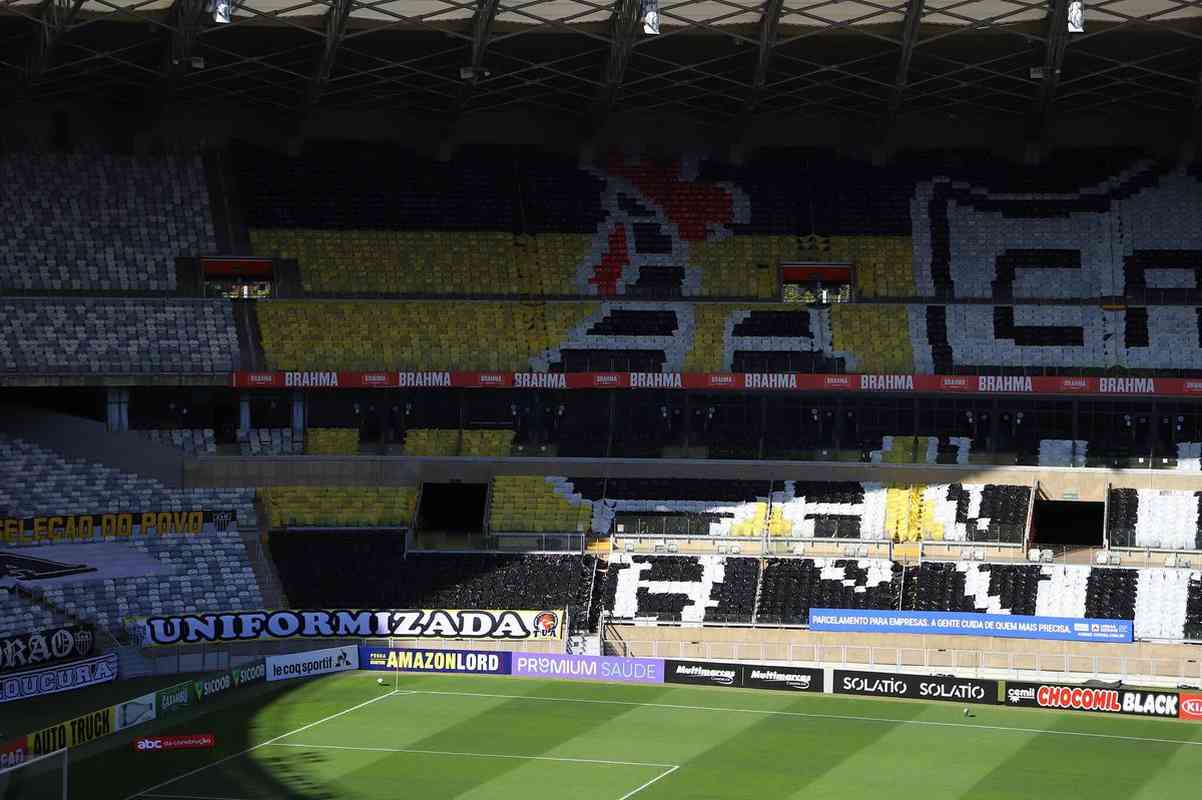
pixel 955 623
pixel 476 662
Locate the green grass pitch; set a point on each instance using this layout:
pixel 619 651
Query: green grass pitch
pixel 441 737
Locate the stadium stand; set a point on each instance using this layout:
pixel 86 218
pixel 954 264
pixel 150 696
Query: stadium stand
pixel 795 509
pixel 536 504
pixel 1154 518
pixel 370 570
pixel 690 225
pixel 19 614
pixel 455 442
pixel 682 588
pixel 95 336
pixel 92 220
pixel 106 581
pixel 193 441
pixel 203 573
pixel 338 506
pixel 1022 340
pixel 1164 603
pixel 415 335
pixel 792 586
pixel 35 482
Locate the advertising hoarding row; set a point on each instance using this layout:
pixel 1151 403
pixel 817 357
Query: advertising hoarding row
pixel 734 381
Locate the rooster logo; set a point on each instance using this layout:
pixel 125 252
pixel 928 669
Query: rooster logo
pixel 546 625
pixel 655 212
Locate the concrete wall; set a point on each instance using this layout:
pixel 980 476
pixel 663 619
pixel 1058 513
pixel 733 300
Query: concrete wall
pixel 232 471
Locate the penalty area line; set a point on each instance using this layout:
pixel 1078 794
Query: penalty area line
pixel 658 777
pixel 566 759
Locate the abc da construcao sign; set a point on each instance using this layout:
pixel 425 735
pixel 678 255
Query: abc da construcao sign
pixel 191 741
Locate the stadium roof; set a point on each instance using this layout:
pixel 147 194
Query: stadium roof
pixel 720 62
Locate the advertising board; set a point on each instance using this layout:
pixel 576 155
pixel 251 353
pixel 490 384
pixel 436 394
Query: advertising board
pixel 189 741
pixel 748 676
pixel 39 648
pixel 916 687
pixel 1097 699
pixel 955 623
pixel 589 668
pixel 702 673
pixel 311 663
pixel 74 732
pixel 475 662
pixel 59 678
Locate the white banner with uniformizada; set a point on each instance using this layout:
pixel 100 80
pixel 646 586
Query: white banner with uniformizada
pixel 235 626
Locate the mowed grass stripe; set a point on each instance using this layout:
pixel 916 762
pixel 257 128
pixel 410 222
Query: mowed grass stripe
pixel 1067 767
pixel 388 774
pixel 731 744
pixel 946 763
pixel 512 726
pixel 786 754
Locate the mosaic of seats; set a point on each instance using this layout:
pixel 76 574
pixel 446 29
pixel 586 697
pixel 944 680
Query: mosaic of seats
pixel 268 442
pixel 117 336
pixel 332 441
pixel 106 580
pixel 537 504
pixel 1163 603
pixel 19 614
pixel 193 441
pixel 376 218
pixel 338 506
pixel 1155 518
pixel 458 442
pixel 733 508
pixel 91 220
pixel 370 570
pixel 36 481
pixel 1099 223
pixel 688 337
pixel 157 576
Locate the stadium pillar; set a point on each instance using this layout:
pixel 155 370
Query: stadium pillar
pixel 298 416
pixel 243 411
pixel 1055 44
pixel 118 409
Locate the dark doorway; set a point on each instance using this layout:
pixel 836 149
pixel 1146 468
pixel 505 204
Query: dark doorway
pixel 452 507
pixel 1067 524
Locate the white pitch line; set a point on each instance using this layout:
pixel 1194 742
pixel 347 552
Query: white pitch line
pixel 477 755
pixel 844 717
pixel 219 761
pixel 648 783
